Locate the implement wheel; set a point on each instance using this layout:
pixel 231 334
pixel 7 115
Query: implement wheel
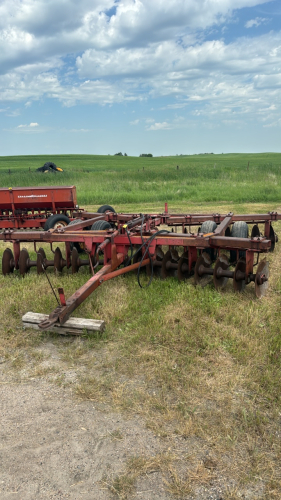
pixel 209 226
pixel 56 221
pixel 239 230
pixel 79 246
pixel 105 208
pixel 100 225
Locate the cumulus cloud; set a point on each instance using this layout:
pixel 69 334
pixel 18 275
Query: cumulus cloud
pixel 256 22
pixel 103 51
pixel 160 126
pixel 33 30
pixel 30 126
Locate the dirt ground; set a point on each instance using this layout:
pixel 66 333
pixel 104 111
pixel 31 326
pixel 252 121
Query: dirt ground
pixel 53 447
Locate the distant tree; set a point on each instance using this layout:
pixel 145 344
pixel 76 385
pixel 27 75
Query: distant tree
pixel 125 154
pixel 118 154
pixel 146 155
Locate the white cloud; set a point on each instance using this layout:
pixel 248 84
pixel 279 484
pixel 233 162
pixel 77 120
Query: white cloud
pixel 13 113
pixel 75 53
pixel 256 22
pixel 134 122
pixel 160 126
pixel 30 126
pixel 34 30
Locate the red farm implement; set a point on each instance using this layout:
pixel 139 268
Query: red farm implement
pixel 208 247
pixel 36 207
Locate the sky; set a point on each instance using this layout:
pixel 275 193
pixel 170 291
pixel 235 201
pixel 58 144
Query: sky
pixel 164 77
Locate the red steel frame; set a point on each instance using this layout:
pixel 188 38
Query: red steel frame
pixel 135 230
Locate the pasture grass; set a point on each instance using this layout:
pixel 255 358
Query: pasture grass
pixel 150 182
pixel 201 368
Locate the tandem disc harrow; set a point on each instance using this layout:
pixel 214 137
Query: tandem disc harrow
pixel 208 248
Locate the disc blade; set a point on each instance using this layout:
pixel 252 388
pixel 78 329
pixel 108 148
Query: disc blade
pixel 156 264
pixel 255 231
pixel 203 262
pixel 7 262
pixel 41 256
pixel 183 269
pixel 238 283
pixel 74 261
pixel 23 262
pixel 222 264
pixel 58 260
pixel 272 237
pixel 261 281
pixel 169 266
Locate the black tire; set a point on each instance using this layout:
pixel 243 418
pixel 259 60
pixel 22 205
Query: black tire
pixel 209 226
pixel 79 246
pixel 239 229
pixel 101 225
pixel 50 164
pixel 56 221
pixel 105 208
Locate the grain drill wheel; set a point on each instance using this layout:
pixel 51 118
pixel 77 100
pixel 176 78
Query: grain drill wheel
pixel 8 263
pixel 261 281
pixel 56 221
pixel 41 256
pixel 24 262
pixel 222 264
pixel 239 279
pixel 183 269
pixel 105 208
pixel 239 230
pixel 203 263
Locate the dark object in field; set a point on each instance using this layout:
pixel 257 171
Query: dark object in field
pixel 49 166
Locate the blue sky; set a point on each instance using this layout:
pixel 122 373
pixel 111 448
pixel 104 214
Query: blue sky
pixel 161 77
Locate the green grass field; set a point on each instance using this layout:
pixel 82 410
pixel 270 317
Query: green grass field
pixel 149 182
pixel 198 366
